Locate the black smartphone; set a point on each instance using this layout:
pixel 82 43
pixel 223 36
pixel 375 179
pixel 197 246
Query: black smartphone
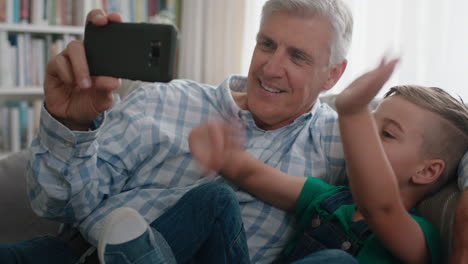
pixel 135 51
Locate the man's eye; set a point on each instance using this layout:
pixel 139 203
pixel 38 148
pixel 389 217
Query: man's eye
pixel 266 44
pixel 297 56
pixel 387 134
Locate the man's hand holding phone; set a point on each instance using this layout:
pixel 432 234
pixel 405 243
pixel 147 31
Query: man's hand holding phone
pixel 72 96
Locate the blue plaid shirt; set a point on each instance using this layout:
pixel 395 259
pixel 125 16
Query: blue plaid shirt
pixel 138 156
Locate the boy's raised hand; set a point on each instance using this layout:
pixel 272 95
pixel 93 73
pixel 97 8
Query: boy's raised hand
pixel 214 145
pixel 361 91
pixel 71 95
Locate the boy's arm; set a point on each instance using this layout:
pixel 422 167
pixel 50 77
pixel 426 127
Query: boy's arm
pixel 215 147
pixel 372 181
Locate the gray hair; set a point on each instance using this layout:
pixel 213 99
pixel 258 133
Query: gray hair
pixel 338 14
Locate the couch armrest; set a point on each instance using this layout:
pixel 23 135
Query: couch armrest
pixel 440 209
pixel 18 221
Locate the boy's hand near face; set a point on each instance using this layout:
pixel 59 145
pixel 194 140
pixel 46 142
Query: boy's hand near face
pixel 217 147
pixel 357 96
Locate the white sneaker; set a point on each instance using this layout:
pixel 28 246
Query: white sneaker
pixel 121 225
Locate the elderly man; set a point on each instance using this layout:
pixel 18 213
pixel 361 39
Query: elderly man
pixel 87 162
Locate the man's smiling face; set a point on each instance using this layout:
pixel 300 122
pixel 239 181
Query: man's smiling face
pixel 289 68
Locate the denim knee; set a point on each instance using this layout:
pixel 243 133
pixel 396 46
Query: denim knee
pixel 218 194
pixel 329 256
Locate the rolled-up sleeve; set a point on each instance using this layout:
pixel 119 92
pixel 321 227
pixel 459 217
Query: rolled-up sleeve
pixel 66 177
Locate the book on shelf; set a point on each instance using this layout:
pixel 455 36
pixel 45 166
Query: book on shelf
pixel 6 67
pixel 3 11
pixel 19 122
pixel 52 12
pixel 29 54
pixel 24 11
pixel 73 12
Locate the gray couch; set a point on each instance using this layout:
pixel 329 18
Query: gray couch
pixel 18 221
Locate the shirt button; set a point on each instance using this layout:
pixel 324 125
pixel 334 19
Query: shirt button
pixel 346 245
pixel 315 222
pixel 68 144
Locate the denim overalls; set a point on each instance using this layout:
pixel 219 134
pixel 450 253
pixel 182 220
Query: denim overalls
pixel 326 234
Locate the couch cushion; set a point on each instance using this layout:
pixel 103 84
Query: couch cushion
pixel 440 210
pixel 18 221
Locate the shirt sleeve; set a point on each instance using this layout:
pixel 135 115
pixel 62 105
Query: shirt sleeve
pixel 66 179
pixel 463 172
pixel 331 145
pixel 313 187
pixel 433 240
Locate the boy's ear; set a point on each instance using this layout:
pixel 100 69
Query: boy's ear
pixel 430 172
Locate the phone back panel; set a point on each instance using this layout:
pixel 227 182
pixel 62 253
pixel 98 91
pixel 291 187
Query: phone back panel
pixel 135 51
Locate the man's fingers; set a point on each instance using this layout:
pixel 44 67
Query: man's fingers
pixel 106 83
pixel 104 87
pixel 60 68
pixel 97 17
pixel 114 17
pixel 76 54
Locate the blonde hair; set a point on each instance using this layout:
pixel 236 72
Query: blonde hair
pixel 452 142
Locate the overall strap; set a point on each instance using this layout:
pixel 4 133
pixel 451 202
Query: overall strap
pixel 326 233
pixel 335 201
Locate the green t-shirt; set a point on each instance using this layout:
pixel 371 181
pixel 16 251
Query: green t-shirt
pixel 315 191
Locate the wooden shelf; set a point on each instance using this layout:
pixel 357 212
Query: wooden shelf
pixel 44 29
pixel 32 90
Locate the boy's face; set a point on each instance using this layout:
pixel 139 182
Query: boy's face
pixel 401 125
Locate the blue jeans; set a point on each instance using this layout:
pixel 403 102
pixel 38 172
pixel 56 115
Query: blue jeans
pixel 329 256
pixel 41 250
pixel 147 248
pixel 204 226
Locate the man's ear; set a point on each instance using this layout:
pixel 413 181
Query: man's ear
pixel 334 74
pixel 430 172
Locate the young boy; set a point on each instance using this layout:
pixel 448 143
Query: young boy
pixel 395 157
pixel 407 149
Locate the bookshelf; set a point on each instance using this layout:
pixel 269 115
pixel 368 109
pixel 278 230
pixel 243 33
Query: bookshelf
pixel 42 29
pixel 26 43
pixel 31 31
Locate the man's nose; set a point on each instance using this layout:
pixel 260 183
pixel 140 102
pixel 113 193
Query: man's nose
pixel 275 65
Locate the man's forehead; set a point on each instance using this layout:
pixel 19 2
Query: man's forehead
pixel 309 35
